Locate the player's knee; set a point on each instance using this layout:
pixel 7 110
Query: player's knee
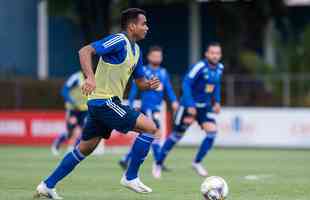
pixel 145 124
pixel 87 147
pixel 152 128
pixel 209 127
pixel 188 120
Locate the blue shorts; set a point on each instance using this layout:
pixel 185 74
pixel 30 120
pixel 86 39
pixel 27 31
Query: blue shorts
pixel 154 114
pixel 201 117
pixel 110 114
pixel 79 115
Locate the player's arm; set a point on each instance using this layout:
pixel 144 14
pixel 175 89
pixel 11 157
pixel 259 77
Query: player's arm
pixel 132 94
pixel 217 98
pixel 102 47
pixel 188 98
pixel 70 83
pixel 141 81
pixel 85 55
pixel 188 81
pixel 170 92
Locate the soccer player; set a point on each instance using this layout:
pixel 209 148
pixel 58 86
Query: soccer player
pixel 152 99
pixel 120 58
pixel 201 95
pixel 76 110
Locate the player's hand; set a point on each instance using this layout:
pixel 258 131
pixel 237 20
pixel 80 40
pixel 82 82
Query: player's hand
pixel 217 108
pixel 89 86
pixel 192 111
pixel 154 83
pixel 175 106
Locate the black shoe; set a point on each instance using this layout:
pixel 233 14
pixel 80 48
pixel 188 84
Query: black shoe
pixel 166 169
pixel 123 165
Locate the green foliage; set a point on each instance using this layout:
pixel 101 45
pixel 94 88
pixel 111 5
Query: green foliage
pixel 254 63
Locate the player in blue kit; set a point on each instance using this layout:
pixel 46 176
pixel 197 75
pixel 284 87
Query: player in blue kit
pixel 151 99
pixel 201 95
pixel 120 58
pixel 76 110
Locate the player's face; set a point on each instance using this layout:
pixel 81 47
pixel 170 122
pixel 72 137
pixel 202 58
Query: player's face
pixel 155 58
pixel 141 27
pixel 214 54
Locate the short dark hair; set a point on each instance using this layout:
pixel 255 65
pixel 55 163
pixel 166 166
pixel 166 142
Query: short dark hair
pixel 129 15
pixel 155 48
pixel 213 44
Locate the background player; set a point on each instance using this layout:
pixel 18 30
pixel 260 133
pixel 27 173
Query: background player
pixel 151 99
pixel 201 95
pixel 119 59
pixel 76 110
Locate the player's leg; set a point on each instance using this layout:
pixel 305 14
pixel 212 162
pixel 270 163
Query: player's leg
pixel 155 115
pixel 125 160
pixel 47 187
pixel 60 139
pixel 90 140
pixel 181 122
pixel 155 145
pixel 140 149
pixel 81 120
pixel 210 129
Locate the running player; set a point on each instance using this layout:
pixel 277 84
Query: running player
pixel 201 95
pixel 151 100
pixel 120 58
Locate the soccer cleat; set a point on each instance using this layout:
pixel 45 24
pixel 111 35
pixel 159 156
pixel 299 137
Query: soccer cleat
pixel 201 171
pixel 54 150
pixel 135 185
pixel 44 192
pixel 156 171
pixel 123 164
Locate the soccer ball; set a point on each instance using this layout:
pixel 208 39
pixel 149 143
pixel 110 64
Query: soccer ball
pixel 214 188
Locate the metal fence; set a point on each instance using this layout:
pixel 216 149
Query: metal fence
pixel 282 90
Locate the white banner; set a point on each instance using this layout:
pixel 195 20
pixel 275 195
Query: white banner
pixel 12 127
pixel 46 127
pixel 258 127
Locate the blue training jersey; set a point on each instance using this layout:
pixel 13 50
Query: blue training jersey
pixel 112 49
pixel 72 94
pixel 202 85
pixel 151 99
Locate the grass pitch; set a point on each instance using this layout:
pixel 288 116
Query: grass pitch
pixel 251 175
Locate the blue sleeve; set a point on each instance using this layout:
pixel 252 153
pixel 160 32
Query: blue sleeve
pixel 187 93
pixel 217 93
pixel 168 88
pixel 110 44
pixel 65 93
pixel 190 77
pixel 132 94
pixel 72 81
pixel 138 71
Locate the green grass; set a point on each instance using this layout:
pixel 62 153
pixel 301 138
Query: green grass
pixel 283 175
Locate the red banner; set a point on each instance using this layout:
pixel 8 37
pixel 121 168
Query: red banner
pixel 39 128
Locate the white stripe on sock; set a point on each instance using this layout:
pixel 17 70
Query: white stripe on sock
pixel 179 115
pixel 76 157
pixel 144 140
